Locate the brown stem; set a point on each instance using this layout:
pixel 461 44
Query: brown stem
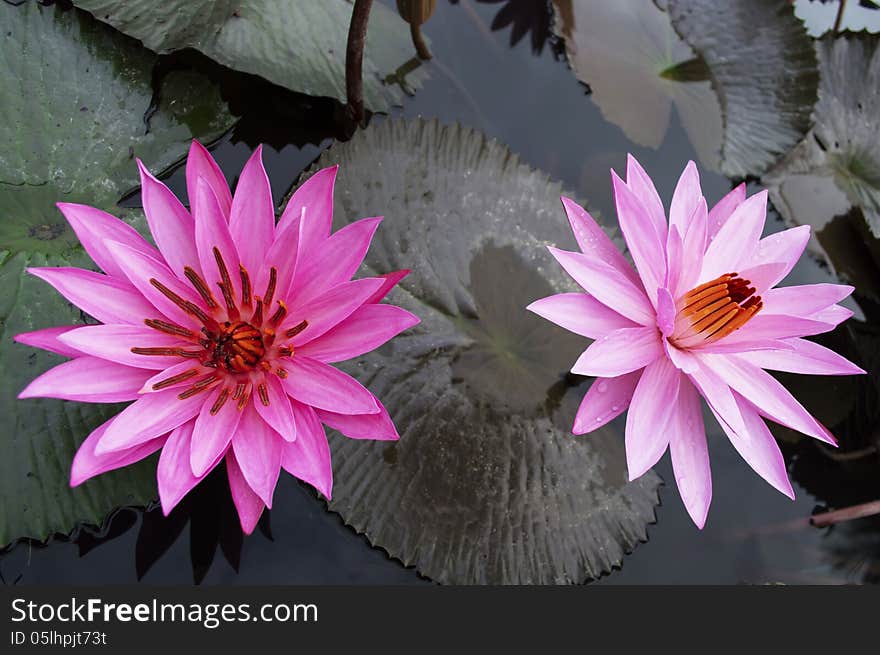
pixel 839 19
pixel 419 42
pixel 846 514
pixel 354 60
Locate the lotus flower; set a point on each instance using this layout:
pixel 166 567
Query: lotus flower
pixel 223 336
pixel 701 317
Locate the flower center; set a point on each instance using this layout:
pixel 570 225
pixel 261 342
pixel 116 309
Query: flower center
pixel 232 352
pixel 714 310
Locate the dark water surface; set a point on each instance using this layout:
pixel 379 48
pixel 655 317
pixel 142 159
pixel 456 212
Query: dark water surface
pixel 533 103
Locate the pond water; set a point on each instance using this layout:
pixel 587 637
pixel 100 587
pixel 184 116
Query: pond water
pixel 525 96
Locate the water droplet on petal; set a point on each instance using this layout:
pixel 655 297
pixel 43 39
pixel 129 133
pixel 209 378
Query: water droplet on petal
pixel 602 387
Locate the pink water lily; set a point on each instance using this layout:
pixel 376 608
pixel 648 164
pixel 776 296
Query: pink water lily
pixel 223 335
pixel 700 316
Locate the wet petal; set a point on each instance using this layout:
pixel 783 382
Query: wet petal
pixel 316 196
pixel 170 223
pixel 88 380
pixel 580 313
pixel 665 311
pixel 685 199
pixel 212 232
pixel 320 385
pixel 257 449
pixel 803 300
pixel 693 247
pixel 718 396
pixel 87 464
pixel 607 285
pixel 785 247
pixel 737 239
pixel 212 432
pixel 279 412
pixel 690 454
pixel 652 405
pixel 805 357
pixel 606 399
pixel 594 243
pixel 108 299
pixel 620 352
pixel 834 315
pixel 150 416
pixel 174 474
pixel 247 502
pixel 367 328
pixel 645 245
pixel 722 210
pixel 378 426
pixel 114 343
pixel 252 216
pixel 200 163
pixel 48 339
pixel 188 366
pixel 643 187
pixel 773 326
pixel 329 309
pixel 308 458
pixel 94 228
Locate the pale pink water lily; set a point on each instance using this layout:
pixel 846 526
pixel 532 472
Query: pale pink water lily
pixel 700 316
pixel 224 335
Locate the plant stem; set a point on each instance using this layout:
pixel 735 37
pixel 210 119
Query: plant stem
pixel 419 43
pixel 839 19
pixel 354 59
pixel 846 514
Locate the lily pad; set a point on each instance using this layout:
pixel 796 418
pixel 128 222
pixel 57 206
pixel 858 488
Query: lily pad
pixel 743 95
pixel 487 484
pixel 74 97
pixel 765 77
pixel 298 44
pixel 832 177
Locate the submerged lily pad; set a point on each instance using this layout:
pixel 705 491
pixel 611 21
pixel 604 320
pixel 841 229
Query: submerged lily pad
pixel 763 68
pixel 831 179
pixel 743 95
pixel 74 97
pixel 298 44
pixel 487 484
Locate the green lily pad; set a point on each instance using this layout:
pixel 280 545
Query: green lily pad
pixel 743 95
pixel 74 96
pixel 298 44
pixel 765 78
pixel 831 179
pixel 487 484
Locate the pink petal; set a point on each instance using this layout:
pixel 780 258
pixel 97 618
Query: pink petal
pixel 175 370
pixel 279 412
pixel 212 432
pixel 283 256
pixel 653 401
pixel 580 313
pixel 257 449
pixel 329 309
pixel 766 394
pixel 718 395
pixel 785 247
pixel 806 357
pixel 334 262
pixel 170 224
pixel 114 343
pixel 247 502
pixel 315 195
pixel 108 299
pixel 685 199
pixel 606 399
pixel 737 239
pixel 759 449
pixel 620 352
pixel 94 228
pixel 641 185
pixel 88 380
pixel 834 315
pixel 308 458
pixel 674 261
pixel 737 346
pixel 724 208
pixel 252 217
pixel 774 326
pixel 390 281
pixel 645 245
pixel 378 426
pixel 150 416
pixel 762 276
pixel 320 385
pixel 607 285
pixel 594 243
pixel 803 300
pixel 140 269
pixel 47 339
pixel 212 232
pixel 693 247
pixel 174 474
pixel 367 328
pixel 200 163
pixel 665 311
pixel 690 454
pixel 86 464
